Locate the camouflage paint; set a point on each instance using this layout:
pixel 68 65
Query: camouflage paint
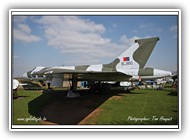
pixel 142 54
pixel 111 67
pixel 146 72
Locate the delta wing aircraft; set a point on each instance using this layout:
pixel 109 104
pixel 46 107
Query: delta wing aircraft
pixel 129 66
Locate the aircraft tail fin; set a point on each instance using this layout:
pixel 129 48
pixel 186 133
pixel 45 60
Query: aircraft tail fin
pixel 137 55
pixel 134 57
pixel 142 54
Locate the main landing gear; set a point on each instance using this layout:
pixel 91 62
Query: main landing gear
pixel 73 88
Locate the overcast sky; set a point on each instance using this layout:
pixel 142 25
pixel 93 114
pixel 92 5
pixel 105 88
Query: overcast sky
pixel 77 40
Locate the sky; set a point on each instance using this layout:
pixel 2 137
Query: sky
pixel 79 40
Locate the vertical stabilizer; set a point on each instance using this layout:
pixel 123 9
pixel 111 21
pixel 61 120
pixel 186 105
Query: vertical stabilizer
pixel 136 56
pixel 144 50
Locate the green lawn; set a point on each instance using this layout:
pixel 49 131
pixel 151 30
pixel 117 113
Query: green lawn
pixel 137 107
pixel 140 107
pixel 20 108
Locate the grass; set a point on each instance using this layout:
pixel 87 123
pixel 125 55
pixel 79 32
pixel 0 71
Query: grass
pixel 21 110
pixel 138 108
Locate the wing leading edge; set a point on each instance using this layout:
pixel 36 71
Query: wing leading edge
pixel 83 75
